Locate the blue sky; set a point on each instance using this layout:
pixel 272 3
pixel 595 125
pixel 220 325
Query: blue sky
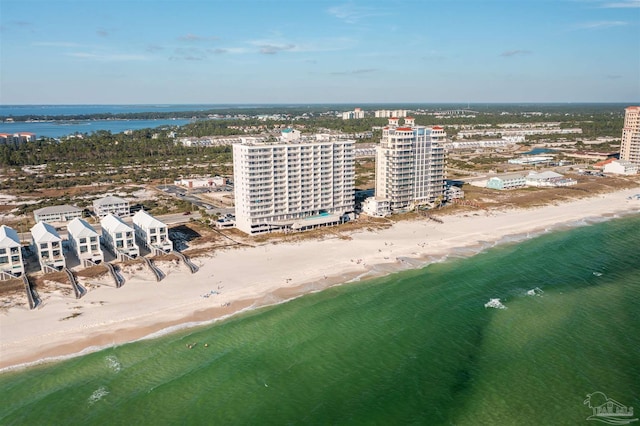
pixel 317 51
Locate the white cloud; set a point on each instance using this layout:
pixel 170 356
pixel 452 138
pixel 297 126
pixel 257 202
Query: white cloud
pixel 108 57
pixel 56 44
pixel 272 49
pixel 273 46
pixel 229 50
pixel 358 71
pixel 599 25
pixel 151 48
pixel 622 4
pixel 352 14
pixel 196 38
pixel 517 52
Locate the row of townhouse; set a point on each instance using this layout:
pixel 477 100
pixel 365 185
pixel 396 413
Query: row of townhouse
pixel 101 207
pixel 62 213
pixel 517 132
pixel 119 237
pixel 111 205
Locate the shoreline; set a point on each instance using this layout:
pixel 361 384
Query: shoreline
pixel 108 317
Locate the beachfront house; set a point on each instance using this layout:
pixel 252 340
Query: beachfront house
pixel 48 245
pixel 11 264
pixel 453 192
pixel 376 207
pixel 507 181
pixel 85 241
pixel 119 237
pixel 151 232
pixel 111 205
pixel 63 213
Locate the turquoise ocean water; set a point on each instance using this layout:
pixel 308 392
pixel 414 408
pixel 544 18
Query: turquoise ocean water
pixel 416 347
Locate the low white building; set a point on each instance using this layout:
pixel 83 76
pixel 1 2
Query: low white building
pixel 48 245
pixel 151 232
pixel 10 252
pixel 507 181
pixel 119 237
pixel 85 241
pixel 549 179
pixel 376 207
pixel 531 159
pixel 111 205
pixel 497 143
pixel 203 182
pixel 621 167
pixel 62 213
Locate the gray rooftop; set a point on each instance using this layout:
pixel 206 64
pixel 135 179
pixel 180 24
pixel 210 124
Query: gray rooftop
pixel 65 208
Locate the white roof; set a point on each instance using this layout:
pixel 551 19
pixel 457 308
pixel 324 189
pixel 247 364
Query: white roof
pixel 8 237
pixel 109 199
pixel 111 224
pixel 42 232
pixel 57 209
pixel 146 221
pixel 508 176
pixel 544 175
pixel 625 163
pixel 80 228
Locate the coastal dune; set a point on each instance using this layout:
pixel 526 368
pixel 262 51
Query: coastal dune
pixel 237 279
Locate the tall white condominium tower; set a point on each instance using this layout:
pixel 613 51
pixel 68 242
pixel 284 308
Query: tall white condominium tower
pixel 293 185
pixel 630 147
pixel 410 164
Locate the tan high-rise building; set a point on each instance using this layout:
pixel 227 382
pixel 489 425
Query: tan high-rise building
pixel 410 164
pixel 630 147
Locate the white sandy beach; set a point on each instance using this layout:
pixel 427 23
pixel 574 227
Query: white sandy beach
pixel 236 279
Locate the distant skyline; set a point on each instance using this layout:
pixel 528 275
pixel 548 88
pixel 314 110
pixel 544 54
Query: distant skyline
pixel 317 51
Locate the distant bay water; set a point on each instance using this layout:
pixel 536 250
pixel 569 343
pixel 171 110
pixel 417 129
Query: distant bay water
pixel 415 347
pixel 63 127
pixel 56 110
pixel 60 128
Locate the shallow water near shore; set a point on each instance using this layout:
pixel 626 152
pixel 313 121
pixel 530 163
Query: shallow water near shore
pixel 417 346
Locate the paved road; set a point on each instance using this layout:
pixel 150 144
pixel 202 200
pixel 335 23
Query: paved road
pixel 192 197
